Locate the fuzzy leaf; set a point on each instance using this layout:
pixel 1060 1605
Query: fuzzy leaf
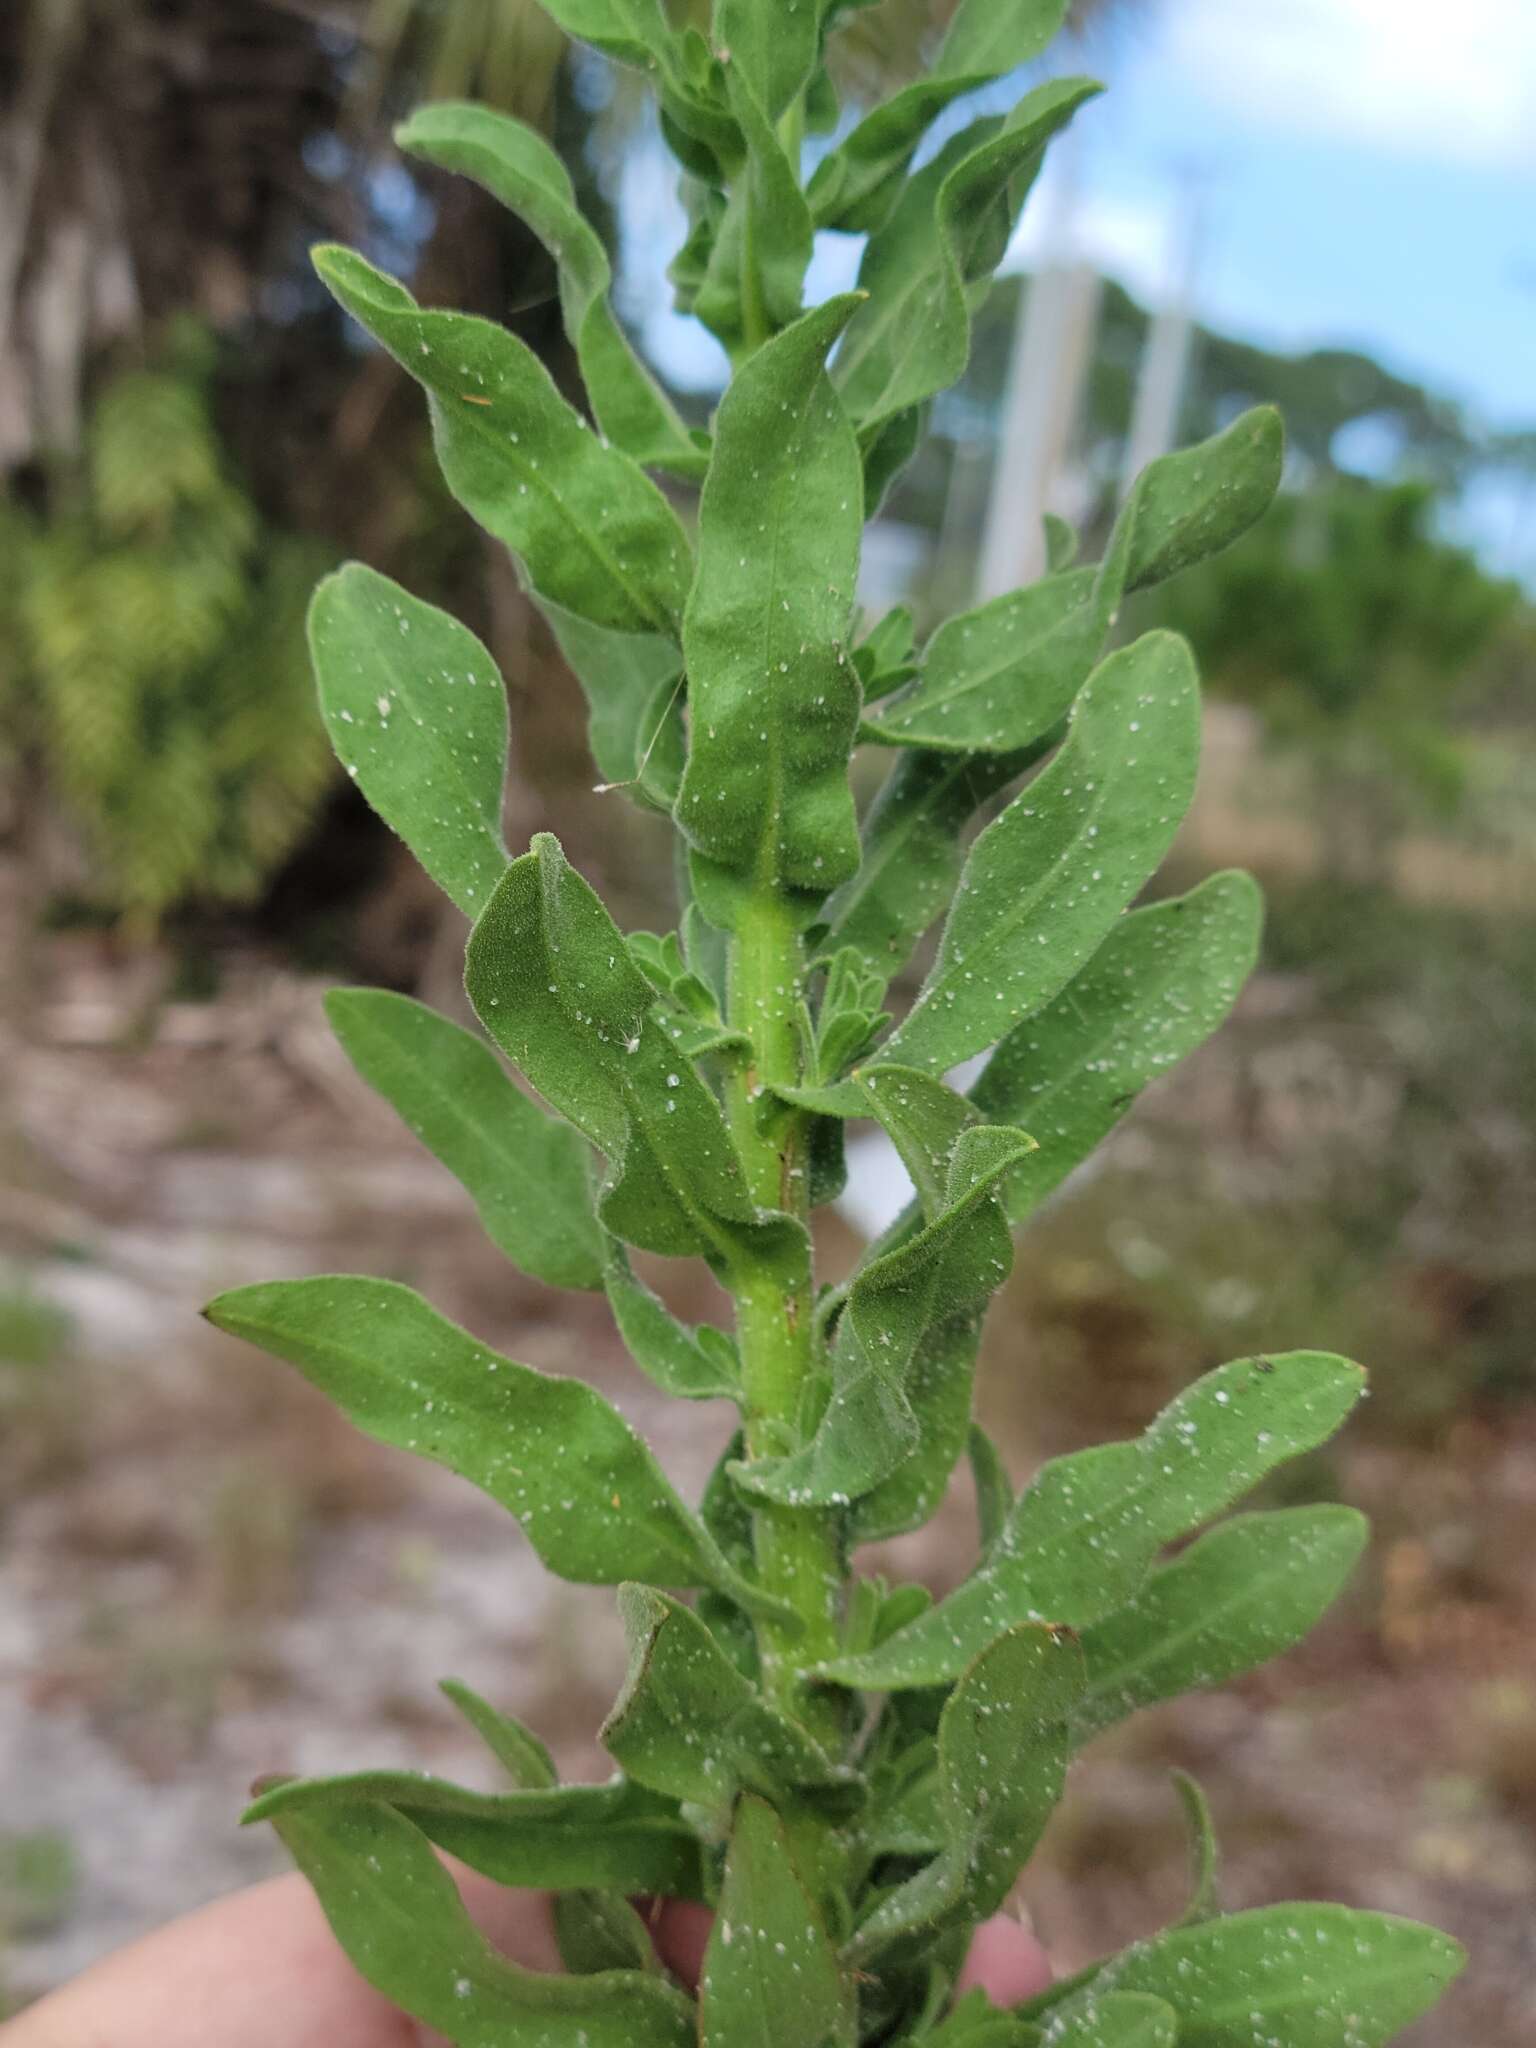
pixel 774 698
pixel 697 1365
pixel 1204 1852
pixel 886 657
pixel 911 855
pixel 517 1749
pixel 940 1380
pixel 857 184
pixel 1157 988
pixel 518 167
pixel 600 1931
pixel 417 713
pixel 591 530
pixel 632 31
pixel 894 1304
pixel 775 48
pixel 945 237
pixel 760 248
pixel 592 1500
pixel 1118 2019
pixel 633 686
pixel 1244 1593
pixel 922 1117
pixel 994 1493
pixel 690 1725
pixel 1310 1976
pixel 567 1838
pixel 1003 1747
pixel 770 1975
pixel 1046 882
pixel 1190 505
pixel 397 1913
pixel 1001 677
pixel 555 985
pixel 1082 1538
pixel 528 1174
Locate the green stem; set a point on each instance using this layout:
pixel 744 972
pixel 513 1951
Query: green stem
pixel 799 1554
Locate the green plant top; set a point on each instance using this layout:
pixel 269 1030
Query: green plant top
pixel 850 1775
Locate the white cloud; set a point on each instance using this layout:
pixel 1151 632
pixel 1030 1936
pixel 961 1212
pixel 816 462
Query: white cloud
pixel 1455 83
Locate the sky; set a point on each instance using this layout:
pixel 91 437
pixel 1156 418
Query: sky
pixel 1361 172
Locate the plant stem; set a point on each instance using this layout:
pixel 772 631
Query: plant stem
pixel 799 1554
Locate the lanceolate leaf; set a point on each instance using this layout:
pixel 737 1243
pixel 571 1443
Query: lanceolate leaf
pixel 857 183
pixel 1191 504
pixel 773 694
pixel 591 530
pixel 1003 1749
pixel 565 1838
pixel 1309 1976
pixel 1045 883
pixel 939 1386
pixel 633 31
pixel 1083 1537
pixel 755 271
pixel 770 1974
pixel 1158 986
pixel 397 1913
pixel 698 1365
pixel 554 984
pixel 688 1724
pixel 1244 1593
pixel 529 1175
pixel 417 714
pixel 1118 2019
pixel 945 237
pixel 520 169
pixel 775 48
pixel 870 1425
pixel 517 1749
pixel 921 1116
pixel 591 1499
pixel 911 855
pixel 633 686
pixel 1001 677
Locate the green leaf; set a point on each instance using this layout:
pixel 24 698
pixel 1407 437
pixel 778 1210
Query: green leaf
pixel 1003 1747
pixel 774 698
pixel 1001 677
pixel 591 530
pixel 987 38
pixel 1205 1852
pixel 1244 1593
pixel 774 48
pixel 633 686
pixel 529 1175
pixel 690 1725
pixel 760 247
pixel 894 1304
pixel 943 240
pixel 770 1974
pixel 634 32
pixel 555 985
pixel 417 713
pixel 397 1913
pixel 600 1931
pixel 940 1380
pixel 518 167
pixel 922 1117
pixel 1189 505
pixel 857 184
pixel 886 657
pixel 567 1838
pixel 1157 988
pixel 994 1493
pixel 1082 1538
pixel 1060 544
pixel 1045 883
pixel 517 1749
pixel 1309 1976
pixel 1118 2019
pixel 911 856
pixel 591 1499
pixel 697 1365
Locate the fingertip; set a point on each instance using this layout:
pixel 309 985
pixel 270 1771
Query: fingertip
pixel 680 1931
pixel 1006 1962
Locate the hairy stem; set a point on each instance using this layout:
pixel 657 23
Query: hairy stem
pixel 798 1550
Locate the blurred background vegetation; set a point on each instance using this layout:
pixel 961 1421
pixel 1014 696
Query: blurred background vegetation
pixel 188 436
